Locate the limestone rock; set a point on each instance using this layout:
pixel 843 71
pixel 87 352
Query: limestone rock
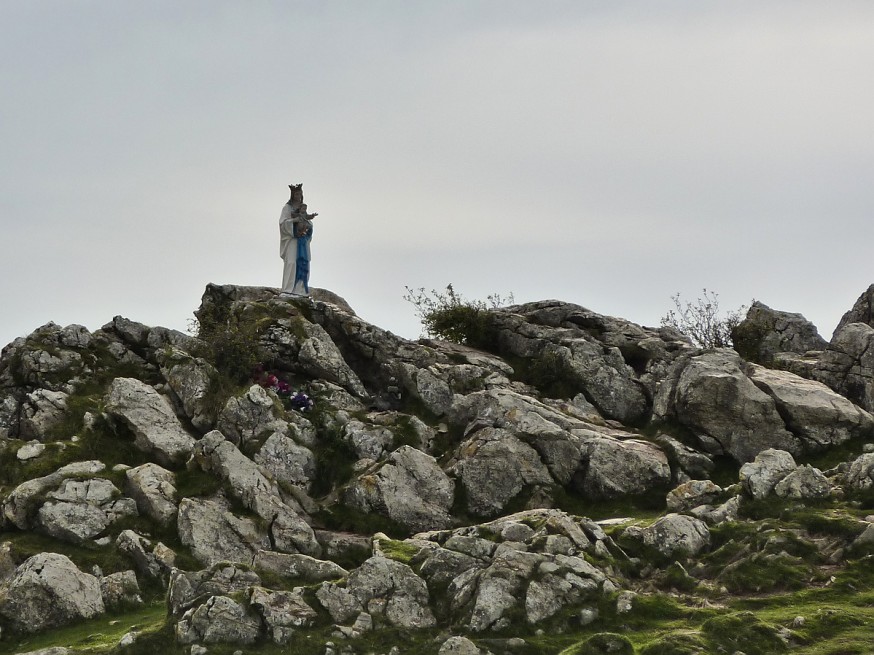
pixel 804 482
pixel 862 311
pixel 298 567
pixel 41 411
pixel 188 589
pixel 765 332
pixel 676 535
pixel 288 531
pixel 741 428
pixel 153 489
pixel 817 415
pixel 220 620
pixel 150 417
pixel 48 591
pixel 79 510
pixel 494 466
pixel 392 590
pixel 250 417
pixel 616 468
pixel 21 506
pixel 761 476
pixel 190 379
pixel 282 612
pixel 120 590
pixel 692 494
pixel 153 561
pixel 695 464
pixel 847 365
pixel 410 488
pixel 287 462
pixel 860 476
pixel 459 646
pixel 216 535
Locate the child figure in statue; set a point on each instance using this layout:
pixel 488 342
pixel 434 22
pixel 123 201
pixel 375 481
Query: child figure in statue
pixel 295 234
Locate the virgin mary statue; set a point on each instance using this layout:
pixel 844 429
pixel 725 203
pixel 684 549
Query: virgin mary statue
pixel 295 234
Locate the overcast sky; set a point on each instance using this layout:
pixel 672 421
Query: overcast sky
pixel 608 153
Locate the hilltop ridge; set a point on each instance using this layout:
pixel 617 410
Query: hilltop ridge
pixel 293 478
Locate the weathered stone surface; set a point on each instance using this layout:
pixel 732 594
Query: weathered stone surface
pixel 215 535
pixel 765 332
pixel 384 587
pixel 340 603
pixel 220 620
pixel 48 591
pixel 861 312
pixel 288 531
pixel 153 561
pixel 817 415
pixel 250 417
pixel 860 477
pixel 692 494
pixel 120 590
pixel 41 411
pixel 675 535
pixel 150 417
pixel 714 398
pixel 761 476
pixel 847 365
pixel 693 463
pixel 287 461
pixel 190 379
pixel 410 488
pixel 460 646
pixel 188 589
pixel 153 489
pixel 615 468
pixel 79 510
pixel 21 505
pixel 804 482
pixel 282 612
pixel 494 466
pixel 298 567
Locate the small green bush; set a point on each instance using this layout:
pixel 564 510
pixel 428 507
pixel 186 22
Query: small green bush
pixel 701 321
pixel 448 315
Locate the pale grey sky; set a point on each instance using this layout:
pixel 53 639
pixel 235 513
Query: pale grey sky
pixel 606 153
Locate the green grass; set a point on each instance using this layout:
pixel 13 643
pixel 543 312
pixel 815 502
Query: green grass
pixel 95 636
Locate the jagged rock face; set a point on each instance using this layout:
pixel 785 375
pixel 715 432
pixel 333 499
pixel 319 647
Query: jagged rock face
pixel 409 488
pixel 819 417
pixel 220 620
pixel 288 532
pixel 152 488
pixel 214 534
pixel 765 333
pixel 730 415
pixel 847 365
pixel 190 379
pixel 550 414
pixel 760 476
pixel 862 311
pixel 47 591
pixel 150 417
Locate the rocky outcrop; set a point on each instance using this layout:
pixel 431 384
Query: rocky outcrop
pixel 766 334
pixel 818 416
pixel 47 591
pixel 157 430
pixel 272 505
pixel 288 532
pixel 861 312
pixel 729 414
pixel 847 365
pixel 409 488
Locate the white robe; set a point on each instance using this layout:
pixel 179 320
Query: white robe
pixel 288 223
